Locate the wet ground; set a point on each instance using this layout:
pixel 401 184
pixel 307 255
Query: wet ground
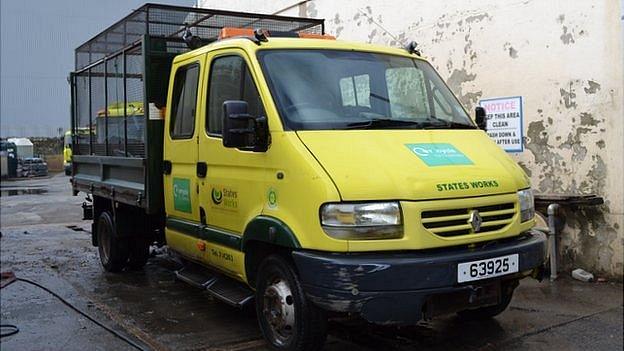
pixel 44 239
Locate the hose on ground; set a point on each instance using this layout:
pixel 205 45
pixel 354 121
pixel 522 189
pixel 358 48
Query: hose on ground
pixel 79 311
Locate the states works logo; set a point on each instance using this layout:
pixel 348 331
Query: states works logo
pixel 223 197
pixel 217 196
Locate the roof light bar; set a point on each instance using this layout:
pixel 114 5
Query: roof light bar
pixel 263 34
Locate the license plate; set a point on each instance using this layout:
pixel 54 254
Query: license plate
pixel 483 269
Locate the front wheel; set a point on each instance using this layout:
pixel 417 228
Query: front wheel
pixel 287 320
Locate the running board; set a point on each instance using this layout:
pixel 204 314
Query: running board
pixel 221 287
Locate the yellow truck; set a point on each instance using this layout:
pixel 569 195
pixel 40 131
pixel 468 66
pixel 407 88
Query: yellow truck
pixel 307 175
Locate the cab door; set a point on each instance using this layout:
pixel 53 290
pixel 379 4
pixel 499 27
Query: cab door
pixel 233 189
pixel 180 159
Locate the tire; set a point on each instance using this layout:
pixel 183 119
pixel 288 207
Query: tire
pixel 488 311
pixel 287 320
pixel 113 250
pixel 139 253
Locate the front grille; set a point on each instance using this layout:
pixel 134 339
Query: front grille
pixel 455 222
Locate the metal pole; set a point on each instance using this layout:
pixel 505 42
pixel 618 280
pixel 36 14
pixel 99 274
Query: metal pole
pixel 105 106
pixel 553 210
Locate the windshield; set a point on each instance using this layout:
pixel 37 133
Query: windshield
pixel 331 89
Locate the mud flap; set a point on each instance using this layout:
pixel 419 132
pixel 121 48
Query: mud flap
pixel 94 241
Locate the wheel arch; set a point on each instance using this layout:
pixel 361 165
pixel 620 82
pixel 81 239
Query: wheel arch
pixel 269 230
pixel 263 236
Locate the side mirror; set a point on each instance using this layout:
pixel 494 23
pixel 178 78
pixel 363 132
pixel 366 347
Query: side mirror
pixel 481 118
pixel 243 131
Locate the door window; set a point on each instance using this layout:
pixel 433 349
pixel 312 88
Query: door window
pixel 230 80
pixel 184 102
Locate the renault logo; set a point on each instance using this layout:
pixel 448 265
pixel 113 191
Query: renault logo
pixel 475 220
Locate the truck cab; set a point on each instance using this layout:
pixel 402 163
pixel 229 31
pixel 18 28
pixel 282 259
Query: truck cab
pixel 320 177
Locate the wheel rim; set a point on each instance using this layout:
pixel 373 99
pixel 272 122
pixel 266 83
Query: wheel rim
pixel 279 311
pixel 104 241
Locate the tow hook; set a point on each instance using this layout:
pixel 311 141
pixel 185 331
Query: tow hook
pixel 474 293
pixel 87 209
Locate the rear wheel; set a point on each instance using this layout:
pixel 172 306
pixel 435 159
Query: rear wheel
pixel 287 320
pixel 139 252
pixel 112 249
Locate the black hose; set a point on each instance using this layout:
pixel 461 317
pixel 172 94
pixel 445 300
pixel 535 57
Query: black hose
pixel 13 330
pixel 68 304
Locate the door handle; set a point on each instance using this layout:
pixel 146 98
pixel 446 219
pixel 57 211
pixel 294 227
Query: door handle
pixel 202 169
pixel 166 167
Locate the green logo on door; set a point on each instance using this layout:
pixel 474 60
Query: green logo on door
pixel 272 198
pixel 217 196
pixel 182 195
pixel 439 154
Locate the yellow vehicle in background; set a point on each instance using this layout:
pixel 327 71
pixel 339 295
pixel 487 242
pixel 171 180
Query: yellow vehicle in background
pixel 67 152
pixel 312 176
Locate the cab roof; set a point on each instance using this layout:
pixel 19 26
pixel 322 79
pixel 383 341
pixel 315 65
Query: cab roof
pixel 293 43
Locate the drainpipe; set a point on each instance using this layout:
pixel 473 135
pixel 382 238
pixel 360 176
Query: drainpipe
pixel 553 210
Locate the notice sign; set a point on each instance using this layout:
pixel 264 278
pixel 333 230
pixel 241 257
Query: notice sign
pixel 505 121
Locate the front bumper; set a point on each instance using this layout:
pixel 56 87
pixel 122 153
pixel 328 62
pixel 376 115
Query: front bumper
pixel 397 287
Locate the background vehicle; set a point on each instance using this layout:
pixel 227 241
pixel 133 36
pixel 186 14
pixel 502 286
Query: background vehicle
pixel 67 152
pixel 309 174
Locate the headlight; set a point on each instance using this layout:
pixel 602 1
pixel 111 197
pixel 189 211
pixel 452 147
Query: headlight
pixel 527 207
pixel 357 221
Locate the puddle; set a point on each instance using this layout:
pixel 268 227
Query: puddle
pixel 24 191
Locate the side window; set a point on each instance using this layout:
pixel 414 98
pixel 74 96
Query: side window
pixel 230 80
pixel 184 102
pixel 355 91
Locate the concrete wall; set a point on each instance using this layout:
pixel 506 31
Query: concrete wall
pixel 566 58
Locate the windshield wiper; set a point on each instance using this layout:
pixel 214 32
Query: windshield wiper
pixel 382 123
pixel 439 123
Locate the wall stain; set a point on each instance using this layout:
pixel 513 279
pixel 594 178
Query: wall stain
pixel 455 80
pixel 592 88
pixel 477 18
pixel 311 10
pixel 513 53
pixel 525 168
pixel 587 119
pixel 568 97
pixel 579 152
pixel 591 247
pixel 545 157
pixel 566 37
pixel 372 35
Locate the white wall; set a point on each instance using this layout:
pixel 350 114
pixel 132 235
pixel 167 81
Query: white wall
pixel 566 58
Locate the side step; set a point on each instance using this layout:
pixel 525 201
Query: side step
pixel 195 277
pixel 221 287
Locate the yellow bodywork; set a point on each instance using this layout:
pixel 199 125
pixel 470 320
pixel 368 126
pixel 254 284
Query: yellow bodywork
pixel 319 167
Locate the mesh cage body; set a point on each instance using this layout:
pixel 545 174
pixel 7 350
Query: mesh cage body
pixel 117 68
pixel 165 21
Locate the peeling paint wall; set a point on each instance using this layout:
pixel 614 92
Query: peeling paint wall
pixel 566 58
